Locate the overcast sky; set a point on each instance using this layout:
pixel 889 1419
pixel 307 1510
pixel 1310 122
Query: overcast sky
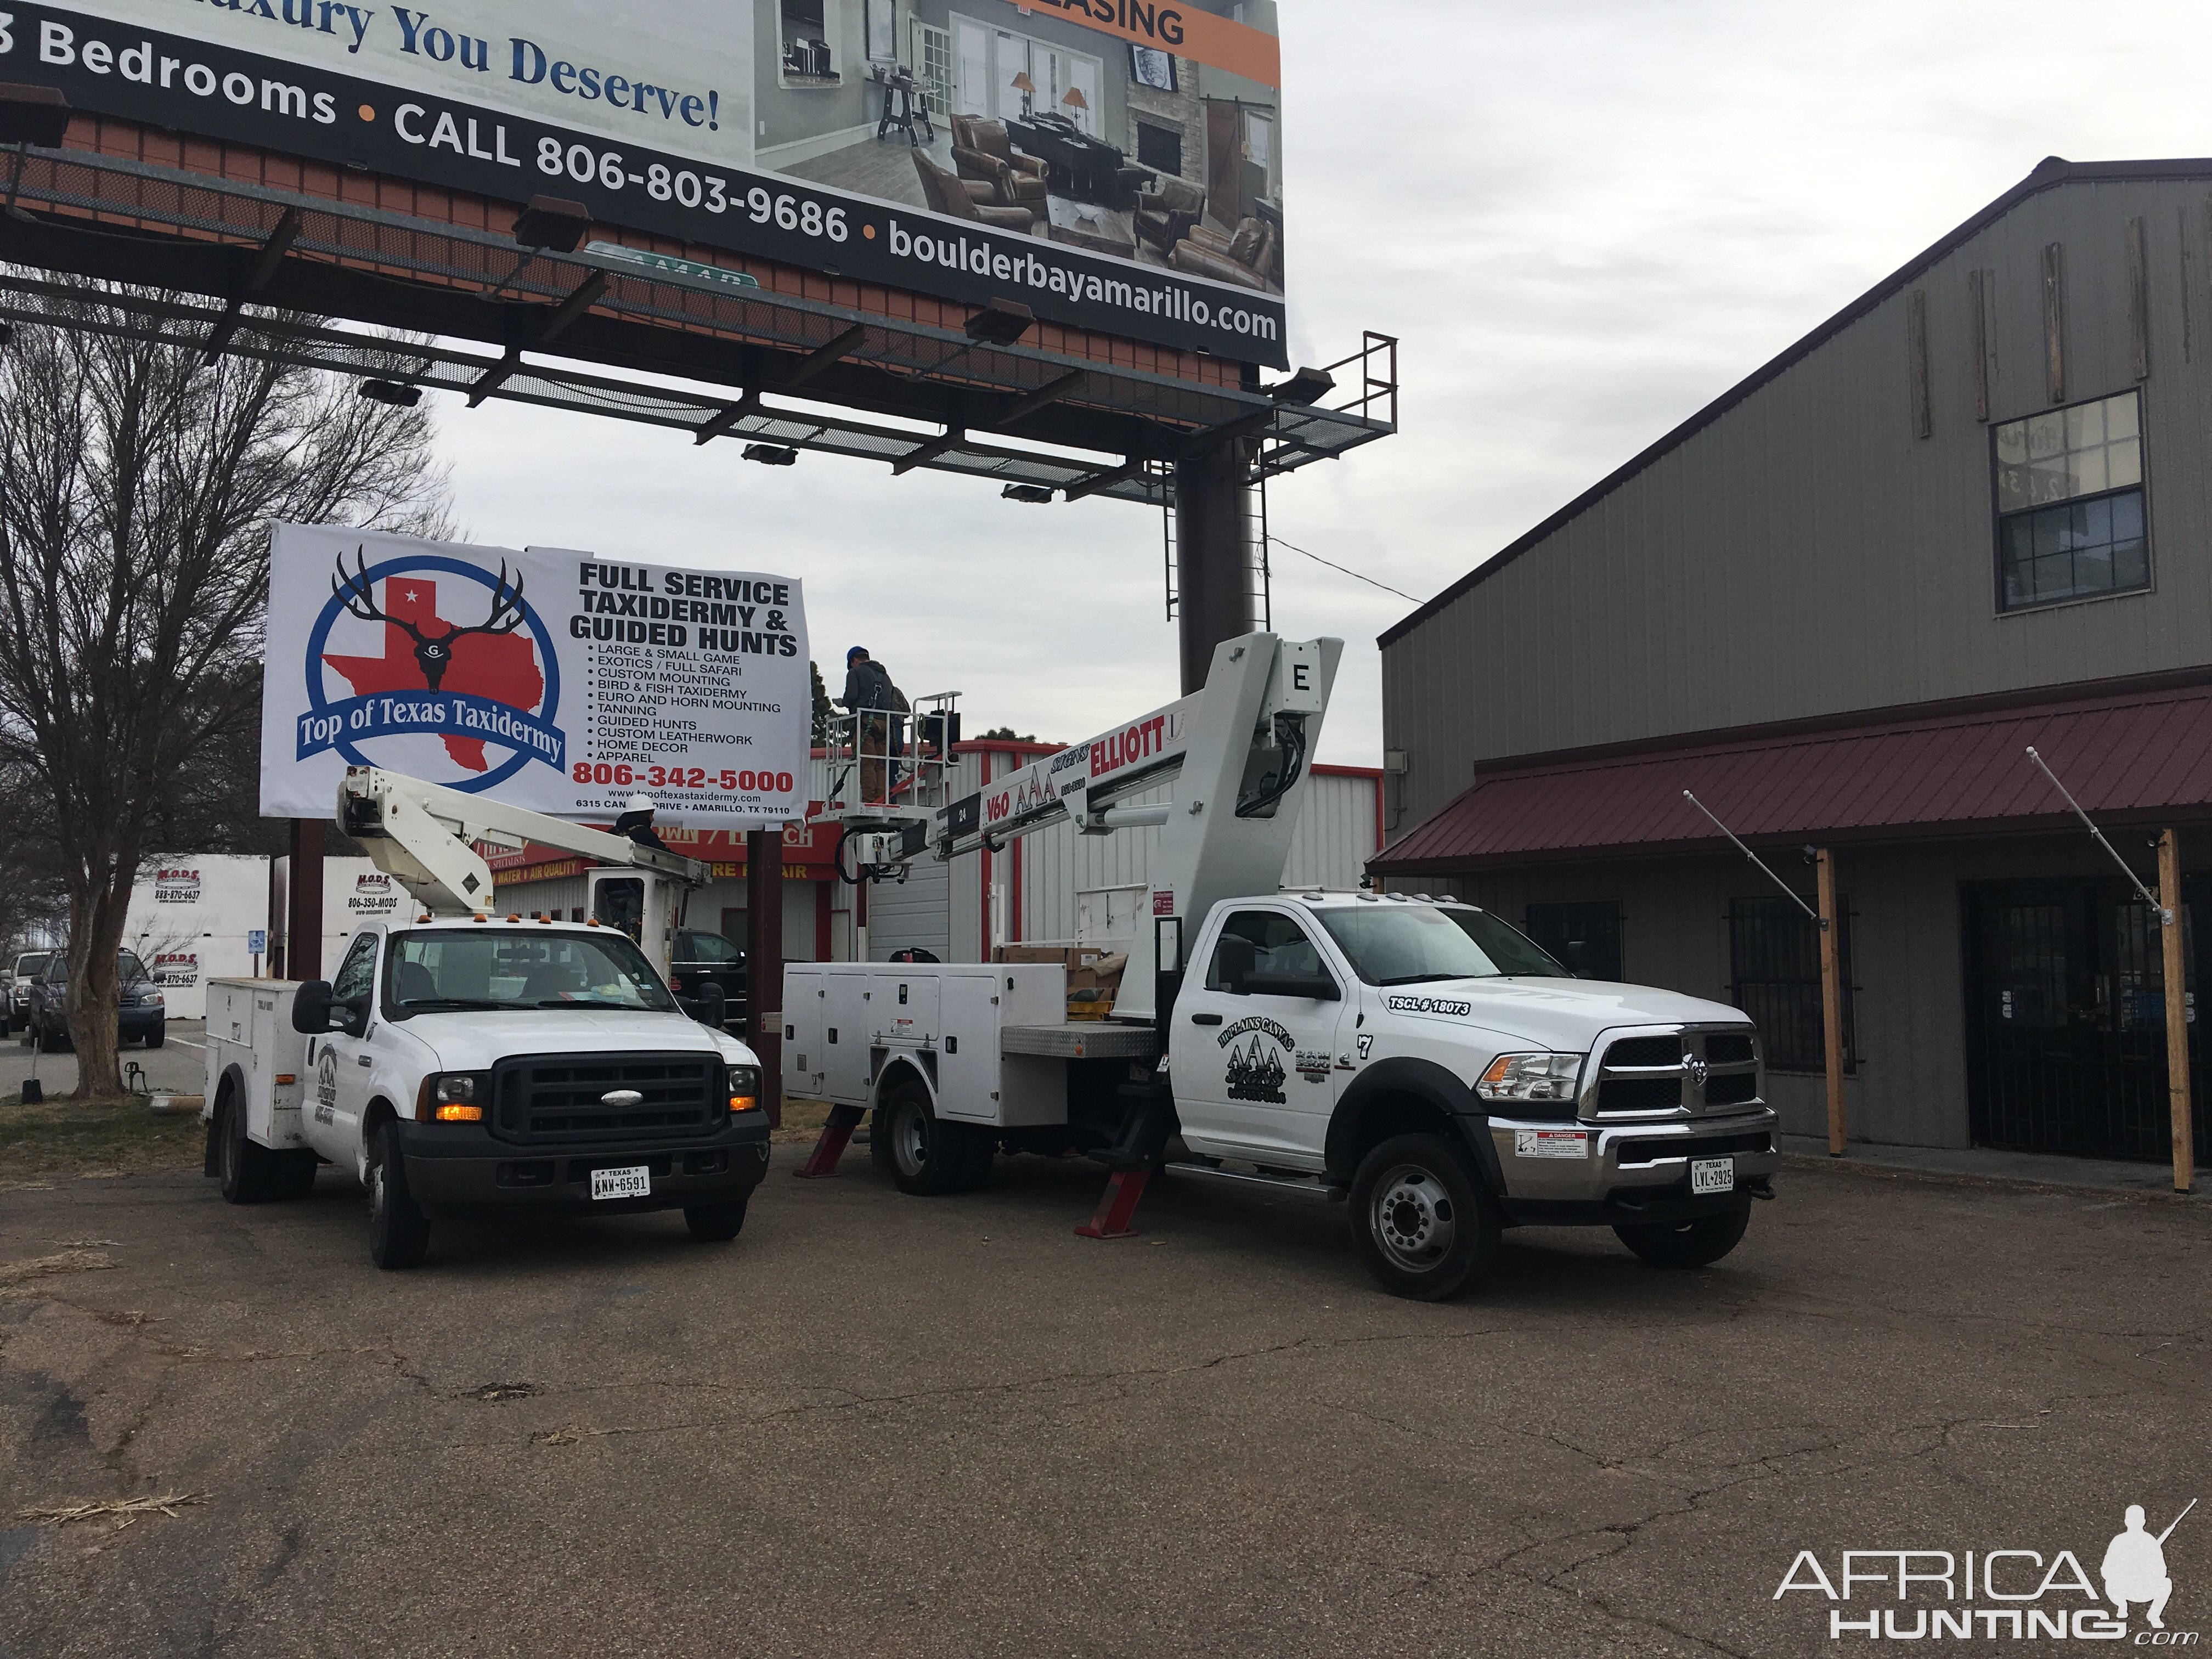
pixel 1584 221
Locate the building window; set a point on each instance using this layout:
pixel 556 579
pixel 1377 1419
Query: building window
pixel 1774 959
pixel 2070 504
pixel 1585 937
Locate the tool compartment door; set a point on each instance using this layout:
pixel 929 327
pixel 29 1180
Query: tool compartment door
pixel 968 1047
pixel 903 1005
pixel 844 1037
pixel 804 1002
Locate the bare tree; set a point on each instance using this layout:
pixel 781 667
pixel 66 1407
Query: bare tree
pixel 137 486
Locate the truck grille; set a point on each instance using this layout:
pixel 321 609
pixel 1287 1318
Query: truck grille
pixel 558 1097
pixel 1681 1073
pixel 1639 1094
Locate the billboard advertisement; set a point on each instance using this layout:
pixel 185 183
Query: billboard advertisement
pixel 1113 164
pixel 558 681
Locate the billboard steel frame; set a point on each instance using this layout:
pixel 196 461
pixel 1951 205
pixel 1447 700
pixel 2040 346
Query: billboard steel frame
pixel 271 260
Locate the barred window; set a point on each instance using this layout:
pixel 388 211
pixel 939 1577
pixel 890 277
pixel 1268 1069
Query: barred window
pixel 2069 496
pixel 1774 959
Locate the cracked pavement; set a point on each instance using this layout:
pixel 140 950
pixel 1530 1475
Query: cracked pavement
pixel 876 1424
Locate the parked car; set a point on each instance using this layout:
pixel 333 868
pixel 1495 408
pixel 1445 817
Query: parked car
pixel 141 1013
pixel 703 968
pixel 15 991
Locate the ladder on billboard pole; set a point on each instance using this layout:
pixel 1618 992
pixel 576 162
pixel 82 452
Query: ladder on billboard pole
pixel 1831 982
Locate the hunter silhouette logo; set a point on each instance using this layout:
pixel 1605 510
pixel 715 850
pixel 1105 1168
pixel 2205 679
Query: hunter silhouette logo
pixel 474 684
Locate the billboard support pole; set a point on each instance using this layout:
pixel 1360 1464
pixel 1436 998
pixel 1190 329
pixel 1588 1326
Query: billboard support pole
pixel 1213 543
pixel 764 962
pixel 303 908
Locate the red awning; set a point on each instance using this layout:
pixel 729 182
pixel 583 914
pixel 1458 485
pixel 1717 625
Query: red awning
pixel 2140 755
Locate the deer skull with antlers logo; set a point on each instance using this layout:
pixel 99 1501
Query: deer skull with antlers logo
pixel 434 655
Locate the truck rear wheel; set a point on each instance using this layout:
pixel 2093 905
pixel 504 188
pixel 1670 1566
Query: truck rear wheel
pixel 248 1170
pixel 1696 1243
pixel 925 1155
pixel 1421 1220
pixel 398 1232
pixel 717 1224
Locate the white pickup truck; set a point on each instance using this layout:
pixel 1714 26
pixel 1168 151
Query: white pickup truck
pixel 1421 1059
pixel 477 1065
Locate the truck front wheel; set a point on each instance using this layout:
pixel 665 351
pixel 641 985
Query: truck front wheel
pixel 1422 1222
pixel 921 1152
pixel 1696 1243
pixel 398 1232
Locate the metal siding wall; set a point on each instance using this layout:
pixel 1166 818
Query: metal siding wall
pixel 1335 835
pixel 532 897
pixel 1806 554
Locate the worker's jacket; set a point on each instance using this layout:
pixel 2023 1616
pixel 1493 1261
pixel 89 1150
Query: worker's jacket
pixel 868 686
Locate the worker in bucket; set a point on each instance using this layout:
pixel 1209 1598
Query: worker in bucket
pixel 637 824
pixel 2135 1568
pixel 870 694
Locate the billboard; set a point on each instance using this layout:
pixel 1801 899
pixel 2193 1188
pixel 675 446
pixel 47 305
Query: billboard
pixel 1113 164
pixel 558 681
pixel 189 919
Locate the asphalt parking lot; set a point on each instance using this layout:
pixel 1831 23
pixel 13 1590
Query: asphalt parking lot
pixel 178 1065
pixel 882 1424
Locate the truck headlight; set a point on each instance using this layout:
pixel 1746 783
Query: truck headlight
pixel 745 1088
pixel 1532 1078
pixel 454 1097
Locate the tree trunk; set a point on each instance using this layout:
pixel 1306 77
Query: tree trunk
pixel 95 940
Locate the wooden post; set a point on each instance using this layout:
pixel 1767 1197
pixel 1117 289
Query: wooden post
pixel 1831 1000
pixel 303 908
pixel 2173 936
pixel 764 962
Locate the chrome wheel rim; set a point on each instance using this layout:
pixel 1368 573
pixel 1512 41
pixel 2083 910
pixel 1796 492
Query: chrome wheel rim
pixel 910 1139
pixel 1412 1218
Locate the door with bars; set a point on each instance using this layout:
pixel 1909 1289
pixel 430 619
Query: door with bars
pixel 2066 1019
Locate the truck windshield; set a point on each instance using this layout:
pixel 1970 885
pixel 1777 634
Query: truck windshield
pixel 440 971
pixel 1410 944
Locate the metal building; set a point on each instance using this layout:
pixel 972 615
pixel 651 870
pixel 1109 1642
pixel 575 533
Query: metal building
pixel 1966 514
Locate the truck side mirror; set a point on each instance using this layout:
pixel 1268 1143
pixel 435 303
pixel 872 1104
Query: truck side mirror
pixel 1234 959
pixel 311 1008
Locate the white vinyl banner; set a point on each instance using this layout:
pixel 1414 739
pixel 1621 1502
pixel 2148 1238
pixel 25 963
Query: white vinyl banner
pixel 561 682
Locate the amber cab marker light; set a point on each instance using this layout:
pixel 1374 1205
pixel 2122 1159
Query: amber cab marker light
pixel 460 1114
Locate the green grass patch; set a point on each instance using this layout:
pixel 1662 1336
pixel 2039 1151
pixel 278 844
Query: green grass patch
pixel 63 1141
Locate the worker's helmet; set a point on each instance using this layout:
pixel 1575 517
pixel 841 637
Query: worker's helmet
pixel 640 804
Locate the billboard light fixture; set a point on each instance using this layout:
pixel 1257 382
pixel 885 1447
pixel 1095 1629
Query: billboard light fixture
pixel 552 223
pixel 391 392
pixel 1307 386
pixel 771 454
pixel 1037 495
pixel 1001 322
pixel 33 115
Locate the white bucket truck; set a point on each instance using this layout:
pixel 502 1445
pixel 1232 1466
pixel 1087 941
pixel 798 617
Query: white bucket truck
pixel 467 1062
pixel 1423 1061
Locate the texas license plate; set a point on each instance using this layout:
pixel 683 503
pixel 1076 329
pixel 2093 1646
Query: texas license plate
pixel 1712 1175
pixel 637 1182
